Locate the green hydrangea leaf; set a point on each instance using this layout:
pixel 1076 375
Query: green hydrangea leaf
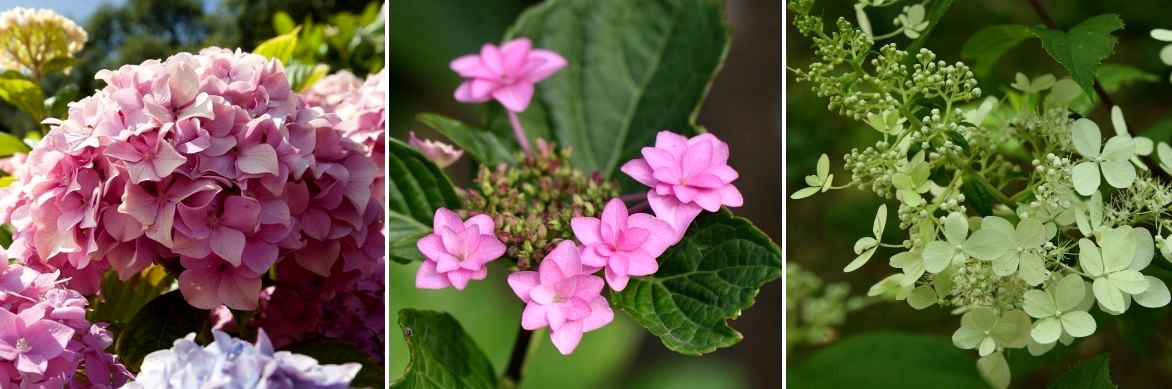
pixel 990 44
pixel 1116 76
pixel 418 188
pixel 157 325
pixel 635 68
pixel 121 299
pixel 442 354
pixel 23 93
pixel 484 146
pixel 976 197
pixel 279 47
pixel 884 360
pixel 1094 373
pixel 703 281
pixel 1081 48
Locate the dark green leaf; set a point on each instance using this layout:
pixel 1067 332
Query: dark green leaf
pixel 336 352
pixel 418 188
pixel 122 299
pixel 157 325
pixel 302 75
pixel 22 92
pixel 990 44
pixel 442 355
pixel 1082 48
pixel 1115 76
pixel 484 146
pixel 404 250
pixel 703 281
pixel 976 197
pixel 635 68
pixel 1093 373
pixel 959 140
pixel 58 64
pixel 887 360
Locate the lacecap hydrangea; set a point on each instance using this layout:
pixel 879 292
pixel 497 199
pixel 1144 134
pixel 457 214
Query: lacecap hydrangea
pixel 207 162
pixel 45 337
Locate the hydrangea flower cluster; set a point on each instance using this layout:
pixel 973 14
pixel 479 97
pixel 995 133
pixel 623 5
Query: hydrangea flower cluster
pixel 234 363
pixel 361 106
pixel 206 161
pixel 1023 269
pixel 46 338
pixel 33 37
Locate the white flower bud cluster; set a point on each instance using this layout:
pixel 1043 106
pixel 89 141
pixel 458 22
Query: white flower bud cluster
pixel 975 285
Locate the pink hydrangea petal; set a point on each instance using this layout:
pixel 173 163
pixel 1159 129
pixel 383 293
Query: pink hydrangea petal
pixel 514 97
pixel 567 337
pixel 617 281
pixel 660 236
pixel 165 161
pixel 696 159
pixel 459 278
pixel 671 142
pixel 483 223
pixel 489 249
pixel 731 197
pixel 428 278
pixel 431 247
pixel 615 214
pixel 725 173
pixel 542 294
pixel 470 66
pixel 670 210
pixel 240 290
pixel 228 243
pixel 161 230
pixel 640 171
pixel 641 263
pixel 565 257
pixel 576 309
pixel 533 317
pixel 586 230
pixel 120 226
pixel 706 181
pixel 522 282
pixel 446 263
pixel 556 315
pixel 709 199
pixel 600 314
pixel 482 88
pixel 514 53
pixel 464 94
pixel 587 286
pixel 318 257
pixel 241 213
pixel 139 204
pixel 446 218
pixel 657 159
pixel 592 258
pixel 258 159
pixel 199 287
pixel 542 64
pixel 490 55
pixel 686 194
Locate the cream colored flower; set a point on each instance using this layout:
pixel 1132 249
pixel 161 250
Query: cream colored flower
pixel 30 38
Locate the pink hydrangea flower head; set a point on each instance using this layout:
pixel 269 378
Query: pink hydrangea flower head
pixel 441 153
pixel 332 90
pixel 506 73
pixel 625 245
pixel 208 160
pixel 563 295
pixel 686 176
pixel 457 251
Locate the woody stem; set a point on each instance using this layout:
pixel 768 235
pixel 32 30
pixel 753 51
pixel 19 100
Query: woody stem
pixel 519 132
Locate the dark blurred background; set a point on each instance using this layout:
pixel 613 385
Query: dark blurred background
pixel 827 225
pixel 743 108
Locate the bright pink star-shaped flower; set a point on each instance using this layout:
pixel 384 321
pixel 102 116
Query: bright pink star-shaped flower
pixel 686 177
pixel 625 245
pixel 457 251
pixel 562 295
pixel 506 74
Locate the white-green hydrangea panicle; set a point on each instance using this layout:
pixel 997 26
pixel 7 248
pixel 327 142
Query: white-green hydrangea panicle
pixel 912 21
pixel 1090 216
pixel 984 329
pixel 1056 310
pixel 1112 160
pixel 975 285
pixel 819 182
pixel 937 290
pixel 1025 248
pixel 1054 196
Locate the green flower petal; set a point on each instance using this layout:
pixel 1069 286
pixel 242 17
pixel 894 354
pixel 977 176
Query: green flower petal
pixel 1038 304
pixel 1046 330
pixel 986 244
pixel 937 256
pixel 1085 176
pixel 956 227
pixel 1078 323
pixel 1109 297
pixel 1086 137
pixel 1089 258
pixel 1069 292
pixel 1129 281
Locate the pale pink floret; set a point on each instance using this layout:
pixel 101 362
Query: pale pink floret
pixel 506 74
pixel 441 153
pixel 625 245
pixel 457 251
pixel 686 177
pixel 562 295
pixel 31 340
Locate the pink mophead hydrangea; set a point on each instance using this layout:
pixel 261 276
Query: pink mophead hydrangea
pixel 206 161
pixel 45 337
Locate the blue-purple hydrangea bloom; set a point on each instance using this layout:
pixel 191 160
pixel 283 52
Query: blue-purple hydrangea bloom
pixel 233 363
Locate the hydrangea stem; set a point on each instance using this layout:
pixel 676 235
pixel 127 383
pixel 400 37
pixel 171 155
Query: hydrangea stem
pixel 519 133
pixel 633 197
pixel 520 354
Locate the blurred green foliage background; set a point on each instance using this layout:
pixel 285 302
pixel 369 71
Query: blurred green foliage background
pixel 743 108
pixel 823 228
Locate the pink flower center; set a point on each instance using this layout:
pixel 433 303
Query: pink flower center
pixel 558 299
pixel 22 345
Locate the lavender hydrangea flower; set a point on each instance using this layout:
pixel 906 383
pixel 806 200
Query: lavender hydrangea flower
pixel 233 363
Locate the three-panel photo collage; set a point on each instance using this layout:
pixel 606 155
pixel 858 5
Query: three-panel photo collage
pixel 579 194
